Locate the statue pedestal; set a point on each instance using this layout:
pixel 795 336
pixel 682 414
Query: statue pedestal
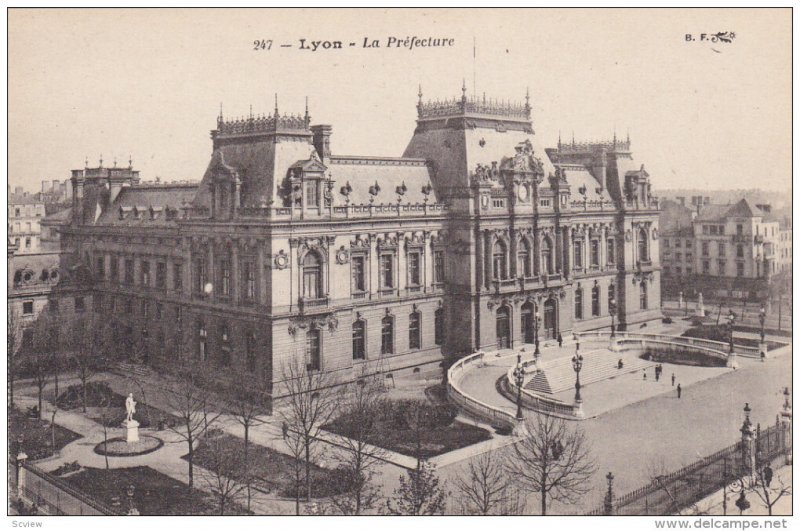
pixel 577 410
pixel 732 363
pixel 762 351
pixel 133 431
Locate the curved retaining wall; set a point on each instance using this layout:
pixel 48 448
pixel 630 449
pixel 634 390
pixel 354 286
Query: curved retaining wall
pixel 491 414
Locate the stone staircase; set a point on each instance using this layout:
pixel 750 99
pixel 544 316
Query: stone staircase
pixel 558 375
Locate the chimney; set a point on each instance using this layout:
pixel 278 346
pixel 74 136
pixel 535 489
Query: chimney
pixel 322 140
pixel 765 207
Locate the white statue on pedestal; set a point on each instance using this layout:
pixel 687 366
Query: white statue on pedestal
pixel 130 407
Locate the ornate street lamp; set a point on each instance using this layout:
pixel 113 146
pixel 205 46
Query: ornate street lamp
pixel 608 502
pixel 577 365
pixel 519 377
pixel 762 316
pixel 612 307
pixel 731 321
pixel 536 317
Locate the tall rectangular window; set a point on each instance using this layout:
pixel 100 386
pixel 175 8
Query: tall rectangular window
pixel 357 269
pixel 595 249
pixel 200 275
pixel 314 349
pixel 706 267
pixel 740 269
pixel 413 269
pixel 704 249
pixel 387 271
pixel 177 277
pixel 145 274
pixel 359 340
pixel 579 303
pixel 311 196
pixel 249 280
pixel 129 271
pixel 101 267
pixel 414 331
pixel 721 248
pixel 438 267
pixel 114 269
pixel 225 276
pixel 610 251
pixel 577 251
pixel 161 275
pixel 387 335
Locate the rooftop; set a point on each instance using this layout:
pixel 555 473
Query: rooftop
pixel 473 106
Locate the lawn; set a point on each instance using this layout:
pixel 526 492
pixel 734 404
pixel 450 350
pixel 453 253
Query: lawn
pixel 273 471
pixel 720 333
pixel 444 434
pixel 99 396
pixel 154 492
pixel 37 435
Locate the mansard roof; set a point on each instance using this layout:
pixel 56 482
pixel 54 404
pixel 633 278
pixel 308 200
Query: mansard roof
pixel 392 175
pixel 148 205
pixel 579 178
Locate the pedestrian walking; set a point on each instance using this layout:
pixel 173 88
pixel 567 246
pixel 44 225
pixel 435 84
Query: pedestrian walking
pixel 285 430
pixel 673 379
pixel 658 373
pixel 560 340
pixel 679 390
pixel 644 374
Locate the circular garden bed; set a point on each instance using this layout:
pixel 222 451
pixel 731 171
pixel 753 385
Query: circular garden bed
pixel 119 446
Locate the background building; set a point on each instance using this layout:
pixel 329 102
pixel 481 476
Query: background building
pixel 731 250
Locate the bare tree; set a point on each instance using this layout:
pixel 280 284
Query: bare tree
pixel 248 401
pixel 360 457
pixel 295 443
pixel 88 343
pixel 552 460
pixel 486 488
pixel 12 342
pixel 41 357
pixel 226 474
pixel 419 493
pixel 187 401
pixel 769 488
pixel 311 402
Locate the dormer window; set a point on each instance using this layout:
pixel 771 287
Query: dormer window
pixel 311 194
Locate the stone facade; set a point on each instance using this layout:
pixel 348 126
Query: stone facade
pixel 286 249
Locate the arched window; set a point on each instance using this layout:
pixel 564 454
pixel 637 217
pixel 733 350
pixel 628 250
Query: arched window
pixel 547 256
pixel 438 326
pixel 579 303
pixel 387 335
pixel 414 331
pixel 312 276
pixel 314 349
pixel 643 295
pixel 595 301
pixel 524 259
pixel 642 246
pixel 359 340
pixel 500 261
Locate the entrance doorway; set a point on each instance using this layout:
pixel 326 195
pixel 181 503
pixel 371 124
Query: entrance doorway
pixel 527 313
pixel 503 327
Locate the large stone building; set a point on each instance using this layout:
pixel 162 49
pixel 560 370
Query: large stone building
pixel 730 250
pixel 287 249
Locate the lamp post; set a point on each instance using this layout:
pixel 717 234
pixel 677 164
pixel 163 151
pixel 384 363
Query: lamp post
pixel 536 352
pixel 612 308
pixel 20 459
pixel 577 365
pixel 762 316
pixel 731 363
pixel 608 502
pixel 519 377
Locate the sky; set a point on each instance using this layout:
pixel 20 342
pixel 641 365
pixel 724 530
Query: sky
pixel 148 84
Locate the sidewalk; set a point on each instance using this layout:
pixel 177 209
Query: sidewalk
pixel 713 504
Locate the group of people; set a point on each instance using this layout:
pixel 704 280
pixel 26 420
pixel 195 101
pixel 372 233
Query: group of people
pixel 659 369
